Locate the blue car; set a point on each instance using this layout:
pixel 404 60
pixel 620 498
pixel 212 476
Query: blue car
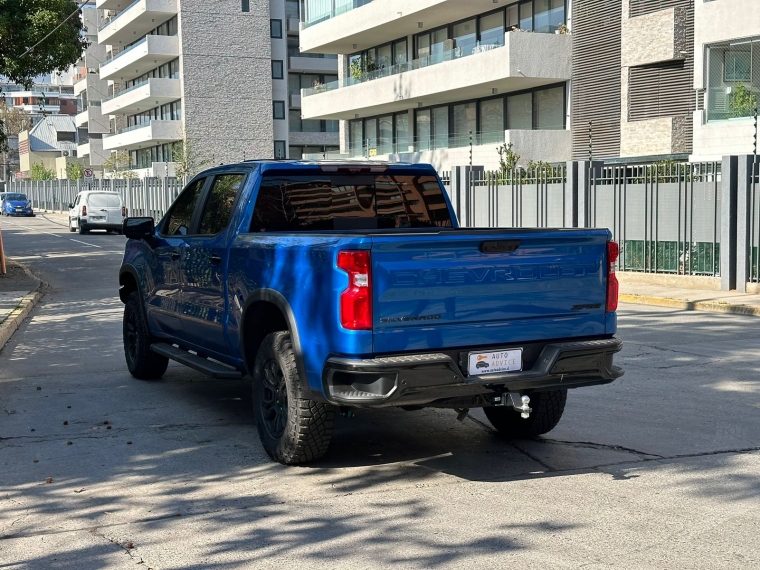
pixel 15 204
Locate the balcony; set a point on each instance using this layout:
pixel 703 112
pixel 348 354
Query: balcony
pixel 298 64
pixel 136 20
pixel 145 95
pixel 112 4
pixel 92 118
pixel 147 54
pixel 146 135
pixel 526 60
pixel 347 25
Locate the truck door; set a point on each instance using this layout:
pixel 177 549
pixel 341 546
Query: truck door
pixel 203 265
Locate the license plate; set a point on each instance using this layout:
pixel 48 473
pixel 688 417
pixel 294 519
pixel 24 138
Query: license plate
pixel 495 361
pixel 97 218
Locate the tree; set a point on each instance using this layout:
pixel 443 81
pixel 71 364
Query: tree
pixel 186 162
pixel 119 165
pixel 37 37
pixel 39 172
pixel 74 171
pixel 14 120
pixel 508 160
pixel 742 102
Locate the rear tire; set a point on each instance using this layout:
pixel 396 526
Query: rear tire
pixel 81 228
pixel 72 227
pixel 547 411
pixel 141 361
pixel 293 429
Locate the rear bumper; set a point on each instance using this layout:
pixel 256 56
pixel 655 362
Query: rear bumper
pixel 419 379
pixel 100 226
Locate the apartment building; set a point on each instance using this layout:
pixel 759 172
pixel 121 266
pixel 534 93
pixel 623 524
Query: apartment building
pixel 40 100
pixel 429 80
pixel 90 90
pixel 223 77
pixel 633 80
pixel 726 76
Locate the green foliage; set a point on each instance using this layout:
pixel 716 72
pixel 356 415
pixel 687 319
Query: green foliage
pixel 698 258
pixel 23 23
pixel 742 102
pixel 508 160
pixel 186 161
pixel 74 171
pixel 360 67
pixel 540 168
pixel 119 165
pixel 39 172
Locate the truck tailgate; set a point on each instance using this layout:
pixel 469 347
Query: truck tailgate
pixel 478 288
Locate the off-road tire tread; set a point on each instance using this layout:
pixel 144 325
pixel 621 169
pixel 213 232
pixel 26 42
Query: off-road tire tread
pixel 149 365
pixel 548 408
pixel 310 423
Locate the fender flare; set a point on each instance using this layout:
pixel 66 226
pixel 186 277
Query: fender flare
pixel 129 270
pixel 278 300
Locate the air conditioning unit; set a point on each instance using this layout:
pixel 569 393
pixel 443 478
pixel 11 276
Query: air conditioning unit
pixel 65 153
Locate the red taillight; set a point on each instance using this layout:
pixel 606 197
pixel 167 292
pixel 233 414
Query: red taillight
pixel 613 251
pixel 356 300
pixel 123 212
pixel 84 210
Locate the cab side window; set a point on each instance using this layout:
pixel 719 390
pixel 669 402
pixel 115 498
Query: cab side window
pixel 221 199
pixel 181 215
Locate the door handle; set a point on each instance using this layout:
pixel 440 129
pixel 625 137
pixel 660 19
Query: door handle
pixel 174 255
pixel 214 258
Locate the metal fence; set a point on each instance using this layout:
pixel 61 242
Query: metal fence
pixel 665 217
pixel 753 263
pixel 142 197
pixel 524 198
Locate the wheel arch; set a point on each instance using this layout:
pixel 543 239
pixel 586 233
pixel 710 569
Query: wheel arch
pixel 128 282
pixel 267 311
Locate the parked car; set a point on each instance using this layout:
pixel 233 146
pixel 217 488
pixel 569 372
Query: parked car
pixel 15 204
pixel 96 210
pixel 338 286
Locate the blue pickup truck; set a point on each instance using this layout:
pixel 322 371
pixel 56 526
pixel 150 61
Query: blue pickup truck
pixel 337 286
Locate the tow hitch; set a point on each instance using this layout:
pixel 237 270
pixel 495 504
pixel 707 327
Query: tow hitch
pixel 513 399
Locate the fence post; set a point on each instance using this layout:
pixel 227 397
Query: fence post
pixel 728 253
pixel 570 215
pixel 588 171
pixel 743 212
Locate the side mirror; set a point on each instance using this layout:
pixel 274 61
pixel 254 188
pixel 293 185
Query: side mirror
pixel 71 206
pixel 138 228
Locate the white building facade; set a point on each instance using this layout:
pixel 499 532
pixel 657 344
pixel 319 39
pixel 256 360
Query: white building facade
pixel 726 77
pixel 441 80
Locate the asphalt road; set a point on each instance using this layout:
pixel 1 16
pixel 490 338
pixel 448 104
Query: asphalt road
pixel 659 470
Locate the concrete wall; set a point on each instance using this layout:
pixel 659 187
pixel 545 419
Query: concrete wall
pixel 227 79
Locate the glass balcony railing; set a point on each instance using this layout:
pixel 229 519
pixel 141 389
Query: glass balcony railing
pixel 130 48
pixel 120 93
pixel 362 76
pixel 315 11
pixel 116 17
pixel 371 148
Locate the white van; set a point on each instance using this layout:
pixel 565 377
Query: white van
pixel 93 210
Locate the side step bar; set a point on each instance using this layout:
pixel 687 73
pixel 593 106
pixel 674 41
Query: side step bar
pixel 213 369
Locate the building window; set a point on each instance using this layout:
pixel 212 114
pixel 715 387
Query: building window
pixel 277 69
pixel 275 28
pixel 278 108
pixel 660 90
pixel 246 6
pixel 451 126
pixel 279 149
pixel 733 79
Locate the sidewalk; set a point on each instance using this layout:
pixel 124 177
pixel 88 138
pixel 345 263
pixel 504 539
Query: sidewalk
pixel 691 299
pixel 19 293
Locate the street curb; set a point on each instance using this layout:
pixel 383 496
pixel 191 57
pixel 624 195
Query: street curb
pixel 11 324
pixel 707 306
